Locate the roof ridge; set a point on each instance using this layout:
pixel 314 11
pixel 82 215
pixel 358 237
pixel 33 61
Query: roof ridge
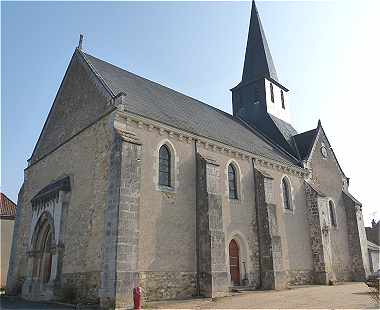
pixel 7 207
pixel 305 132
pixel 97 74
pixel 166 87
pixel 4 195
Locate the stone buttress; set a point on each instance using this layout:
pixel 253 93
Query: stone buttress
pixel 272 262
pixel 357 240
pixel 119 274
pixel 317 214
pixel 212 270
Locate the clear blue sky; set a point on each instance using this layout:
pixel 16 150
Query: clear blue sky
pixel 326 53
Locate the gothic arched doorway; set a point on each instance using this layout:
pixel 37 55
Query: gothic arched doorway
pixel 234 262
pixel 42 251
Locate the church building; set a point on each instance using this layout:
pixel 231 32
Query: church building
pixel 133 184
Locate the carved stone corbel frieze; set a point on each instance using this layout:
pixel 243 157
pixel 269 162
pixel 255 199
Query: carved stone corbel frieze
pixel 128 136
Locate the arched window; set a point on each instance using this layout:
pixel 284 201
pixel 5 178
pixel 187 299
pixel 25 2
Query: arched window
pixel 232 184
pixel 164 166
pixel 271 92
pixel 332 213
pixel 282 99
pixel 286 195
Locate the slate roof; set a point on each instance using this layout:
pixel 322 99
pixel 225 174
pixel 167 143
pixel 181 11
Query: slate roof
pixel 320 193
pixel 162 104
pixel 373 246
pixel 7 208
pixel 304 142
pixel 285 128
pixel 349 195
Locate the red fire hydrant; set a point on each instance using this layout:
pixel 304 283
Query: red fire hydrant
pixel 137 292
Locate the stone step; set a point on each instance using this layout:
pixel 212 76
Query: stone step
pixel 240 289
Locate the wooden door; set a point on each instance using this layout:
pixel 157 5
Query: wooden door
pixel 234 262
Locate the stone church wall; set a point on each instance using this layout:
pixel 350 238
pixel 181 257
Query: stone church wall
pixel 85 159
pixel 80 101
pixel 166 249
pixel 167 244
pixel 169 249
pixel 294 228
pixel 239 216
pixel 327 178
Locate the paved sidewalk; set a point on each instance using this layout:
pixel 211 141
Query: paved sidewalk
pixel 10 303
pixel 7 303
pixel 343 296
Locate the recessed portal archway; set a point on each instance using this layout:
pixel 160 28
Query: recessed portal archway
pixel 234 262
pixel 42 249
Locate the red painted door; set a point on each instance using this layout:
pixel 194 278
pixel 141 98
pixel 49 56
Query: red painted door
pixel 234 263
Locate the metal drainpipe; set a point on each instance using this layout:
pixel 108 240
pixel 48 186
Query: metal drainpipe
pixel 257 220
pixel 198 291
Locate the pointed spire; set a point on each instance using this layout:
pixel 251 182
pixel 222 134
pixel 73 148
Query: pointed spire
pixel 258 61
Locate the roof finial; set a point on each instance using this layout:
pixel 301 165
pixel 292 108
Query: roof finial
pixel 80 41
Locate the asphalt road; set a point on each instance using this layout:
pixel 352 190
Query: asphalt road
pixel 7 303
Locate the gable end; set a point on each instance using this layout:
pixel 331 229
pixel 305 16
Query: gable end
pixel 82 99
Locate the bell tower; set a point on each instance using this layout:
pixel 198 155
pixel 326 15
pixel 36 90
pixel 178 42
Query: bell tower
pixel 260 99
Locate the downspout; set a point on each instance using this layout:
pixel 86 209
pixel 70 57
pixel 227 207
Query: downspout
pixel 198 291
pixel 257 220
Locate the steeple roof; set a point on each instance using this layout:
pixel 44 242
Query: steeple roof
pixel 258 61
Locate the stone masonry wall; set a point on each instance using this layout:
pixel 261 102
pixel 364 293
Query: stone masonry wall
pixel 80 286
pixel 239 215
pixel 273 267
pixel 80 101
pixel 119 275
pixel 168 285
pixel 328 179
pixel 213 277
pixel 85 158
pixel 319 236
pixel 357 242
pixel 300 277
